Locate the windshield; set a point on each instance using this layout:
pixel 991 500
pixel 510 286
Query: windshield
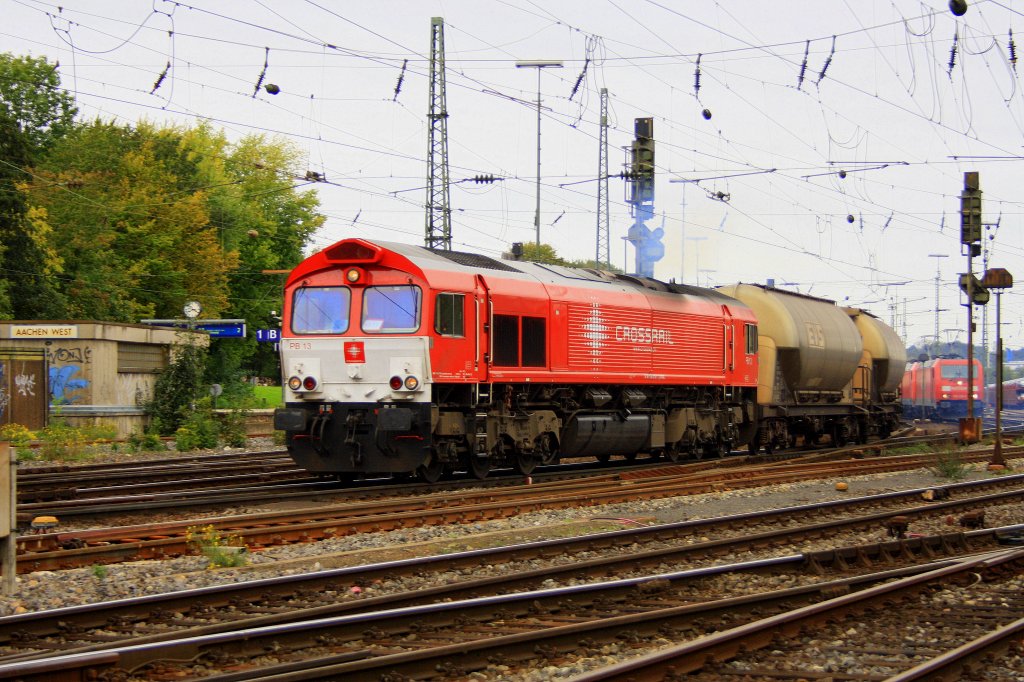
pixel 956 372
pixel 320 310
pixel 391 310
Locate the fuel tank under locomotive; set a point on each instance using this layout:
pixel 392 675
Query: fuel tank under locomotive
pixel 598 435
pixel 366 438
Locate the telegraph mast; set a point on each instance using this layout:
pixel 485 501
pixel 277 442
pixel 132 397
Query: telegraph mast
pixel 438 223
pixel 603 256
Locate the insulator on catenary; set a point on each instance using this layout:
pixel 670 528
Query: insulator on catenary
pixel 803 67
pixel 401 77
pixel 1013 52
pixel 696 77
pixel 160 78
pixel 263 73
pixel 828 62
pixel 952 54
pixel 579 79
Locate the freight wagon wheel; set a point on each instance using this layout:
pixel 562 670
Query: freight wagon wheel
pixel 755 444
pixel 603 458
pixel 525 462
pixel 432 470
pixel 479 467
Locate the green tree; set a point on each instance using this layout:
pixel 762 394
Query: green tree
pixel 31 96
pixel 27 261
pixel 34 113
pixel 136 235
pixel 264 216
pixel 541 253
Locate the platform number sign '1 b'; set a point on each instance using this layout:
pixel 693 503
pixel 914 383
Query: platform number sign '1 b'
pixel 354 352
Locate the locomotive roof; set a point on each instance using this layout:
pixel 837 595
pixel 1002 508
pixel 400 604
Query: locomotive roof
pixel 547 272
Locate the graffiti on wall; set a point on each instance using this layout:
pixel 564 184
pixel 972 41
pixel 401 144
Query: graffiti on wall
pixel 59 354
pixel 4 396
pixel 26 384
pixel 64 386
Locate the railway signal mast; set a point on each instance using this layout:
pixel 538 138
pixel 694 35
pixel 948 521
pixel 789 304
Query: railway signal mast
pixel 970 237
pixel 647 242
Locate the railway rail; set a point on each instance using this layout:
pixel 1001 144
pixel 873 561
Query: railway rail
pixel 967 632
pixel 457 631
pixel 258 530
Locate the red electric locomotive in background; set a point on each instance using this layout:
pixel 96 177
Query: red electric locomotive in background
pixel 937 389
pixel 398 359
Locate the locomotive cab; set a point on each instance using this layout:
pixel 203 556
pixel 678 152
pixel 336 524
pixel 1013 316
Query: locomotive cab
pixel 356 366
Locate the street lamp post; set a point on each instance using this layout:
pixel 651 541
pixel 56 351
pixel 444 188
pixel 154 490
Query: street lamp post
pixel 538 64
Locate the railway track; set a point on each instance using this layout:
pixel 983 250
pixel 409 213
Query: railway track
pixel 51 551
pixel 285 623
pixel 970 611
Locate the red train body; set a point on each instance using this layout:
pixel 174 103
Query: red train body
pixel 1013 395
pixel 400 359
pixel 937 389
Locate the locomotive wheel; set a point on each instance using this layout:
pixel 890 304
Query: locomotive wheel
pixel 525 462
pixel 479 467
pixel 432 470
pixel 630 456
pixel 603 458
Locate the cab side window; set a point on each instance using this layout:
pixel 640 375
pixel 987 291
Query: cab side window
pixel 449 314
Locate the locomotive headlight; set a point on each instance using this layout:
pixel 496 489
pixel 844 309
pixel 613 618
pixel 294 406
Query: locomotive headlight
pixel 309 383
pixel 395 383
pixel 412 383
pixel 353 275
pixel 294 383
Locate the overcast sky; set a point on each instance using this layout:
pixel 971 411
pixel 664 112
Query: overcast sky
pixel 797 92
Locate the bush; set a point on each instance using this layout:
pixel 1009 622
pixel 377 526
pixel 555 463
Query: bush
pixel 18 435
pixel 950 465
pixel 232 428
pixel 177 389
pixel 199 431
pixel 147 441
pixel 61 441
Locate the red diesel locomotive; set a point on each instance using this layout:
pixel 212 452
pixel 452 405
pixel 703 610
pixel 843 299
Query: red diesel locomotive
pixel 937 389
pixel 400 359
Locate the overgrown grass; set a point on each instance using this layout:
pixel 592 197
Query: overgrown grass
pixel 950 465
pixel 221 550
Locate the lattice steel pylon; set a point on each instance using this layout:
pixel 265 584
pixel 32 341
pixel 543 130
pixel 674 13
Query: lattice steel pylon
pixel 604 256
pixel 439 214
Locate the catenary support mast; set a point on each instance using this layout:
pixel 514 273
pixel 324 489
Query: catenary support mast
pixel 604 256
pixel 439 225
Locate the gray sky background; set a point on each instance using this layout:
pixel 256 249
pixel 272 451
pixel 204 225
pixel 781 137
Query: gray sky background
pixel 798 91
